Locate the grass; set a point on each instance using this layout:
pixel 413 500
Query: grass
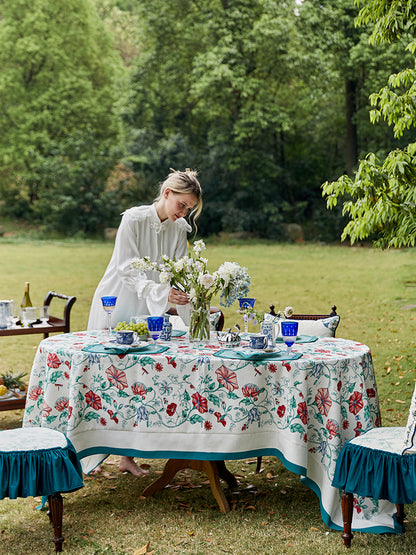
pixel 375 294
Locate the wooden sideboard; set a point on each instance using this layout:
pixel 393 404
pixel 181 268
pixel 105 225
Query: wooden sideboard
pixel 55 325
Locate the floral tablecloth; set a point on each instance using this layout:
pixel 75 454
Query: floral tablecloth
pixel 189 403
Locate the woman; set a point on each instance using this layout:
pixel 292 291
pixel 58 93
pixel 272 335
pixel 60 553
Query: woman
pixel 154 230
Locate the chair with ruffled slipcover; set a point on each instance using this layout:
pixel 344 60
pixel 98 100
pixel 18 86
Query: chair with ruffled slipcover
pixel 39 462
pixel 381 464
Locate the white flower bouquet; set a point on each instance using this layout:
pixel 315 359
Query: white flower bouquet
pixel 190 274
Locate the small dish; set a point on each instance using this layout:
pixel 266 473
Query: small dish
pixel 135 345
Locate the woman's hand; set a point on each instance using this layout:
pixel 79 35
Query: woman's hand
pixel 178 297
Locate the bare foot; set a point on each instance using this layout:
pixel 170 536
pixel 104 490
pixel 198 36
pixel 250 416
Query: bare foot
pixel 97 470
pixel 127 464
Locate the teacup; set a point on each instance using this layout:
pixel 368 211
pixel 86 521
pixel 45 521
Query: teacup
pixel 258 341
pixel 126 337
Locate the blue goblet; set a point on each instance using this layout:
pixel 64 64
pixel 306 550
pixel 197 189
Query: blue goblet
pixel 109 302
pixel 289 333
pixel 245 304
pixel 155 325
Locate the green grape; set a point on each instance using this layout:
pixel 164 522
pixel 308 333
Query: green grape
pixel 140 328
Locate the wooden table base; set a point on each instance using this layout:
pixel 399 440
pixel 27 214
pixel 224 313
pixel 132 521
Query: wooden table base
pixel 213 469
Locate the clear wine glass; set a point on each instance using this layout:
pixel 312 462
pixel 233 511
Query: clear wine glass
pixel 109 302
pixel 289 333
pixel 44 314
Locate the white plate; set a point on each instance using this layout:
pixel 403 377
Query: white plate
pixel 136 344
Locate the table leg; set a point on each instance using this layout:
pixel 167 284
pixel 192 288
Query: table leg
pixel 213 469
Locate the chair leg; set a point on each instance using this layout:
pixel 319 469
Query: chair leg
pixel 258 466
pixel 347 508
pixel 56 507
pixel 400 516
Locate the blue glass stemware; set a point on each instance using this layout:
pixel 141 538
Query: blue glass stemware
pixel 109 302
pixel 289 333
pixel 245 303
pixel 155 325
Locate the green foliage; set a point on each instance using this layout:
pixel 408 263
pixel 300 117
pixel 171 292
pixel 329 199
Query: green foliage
pixel 381 199
pixel 57 82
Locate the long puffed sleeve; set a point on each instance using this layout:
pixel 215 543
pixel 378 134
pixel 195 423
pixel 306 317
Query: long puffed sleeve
pixel 140 234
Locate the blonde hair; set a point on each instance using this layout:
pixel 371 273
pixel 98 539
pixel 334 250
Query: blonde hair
pixel 184 183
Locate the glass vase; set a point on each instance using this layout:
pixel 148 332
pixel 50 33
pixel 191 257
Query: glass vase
pixel 199 329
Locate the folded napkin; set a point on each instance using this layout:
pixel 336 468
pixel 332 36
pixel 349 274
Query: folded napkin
pixel 151 349
pixel 178 333
pixel 260 355
pixel 300 339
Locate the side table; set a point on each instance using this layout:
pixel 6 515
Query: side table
pixel 55 325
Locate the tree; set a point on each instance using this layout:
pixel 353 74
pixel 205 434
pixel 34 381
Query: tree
pixel 381 199
pixel 58 98
pixel 215 88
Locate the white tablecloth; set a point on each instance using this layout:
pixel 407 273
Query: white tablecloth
pixel 187 402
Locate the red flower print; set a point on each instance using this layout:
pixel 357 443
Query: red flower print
pixel 220 418
pixel 53 361
pixel 207 425
pixel 139 389
pixel 171 361
pixel 332 428
pixel 158 366
pixel 339 385
pixel 103 421
pixel 93 400
pixel 356 402
pixel 358 429
pixel 116 377
pixel 171 409
pixel 251 390
pixel 227 378
pixel 345 424
pixel 272 368
pixel 303 412
pixel 69 412
pixel 287 366
pixel 323 401
pixel 305 438
pixel 35 392
pixel 281 411
pixel 62 404
pixel 357 506
pixel 371 393
pixel 46 411
pixel 111 415
pixel 200 403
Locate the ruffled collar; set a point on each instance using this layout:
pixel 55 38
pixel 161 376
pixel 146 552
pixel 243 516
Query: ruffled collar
pixel 156 224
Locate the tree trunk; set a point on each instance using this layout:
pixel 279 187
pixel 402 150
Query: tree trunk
pixel 351 149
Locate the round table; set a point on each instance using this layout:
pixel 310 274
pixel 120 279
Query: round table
pixel 190 401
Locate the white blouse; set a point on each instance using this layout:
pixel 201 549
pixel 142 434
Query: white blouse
pixel 141 233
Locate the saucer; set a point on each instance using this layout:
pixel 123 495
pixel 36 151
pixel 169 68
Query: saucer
pixel 135 345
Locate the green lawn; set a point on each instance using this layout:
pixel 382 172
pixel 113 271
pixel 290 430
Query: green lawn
pixel 375 295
